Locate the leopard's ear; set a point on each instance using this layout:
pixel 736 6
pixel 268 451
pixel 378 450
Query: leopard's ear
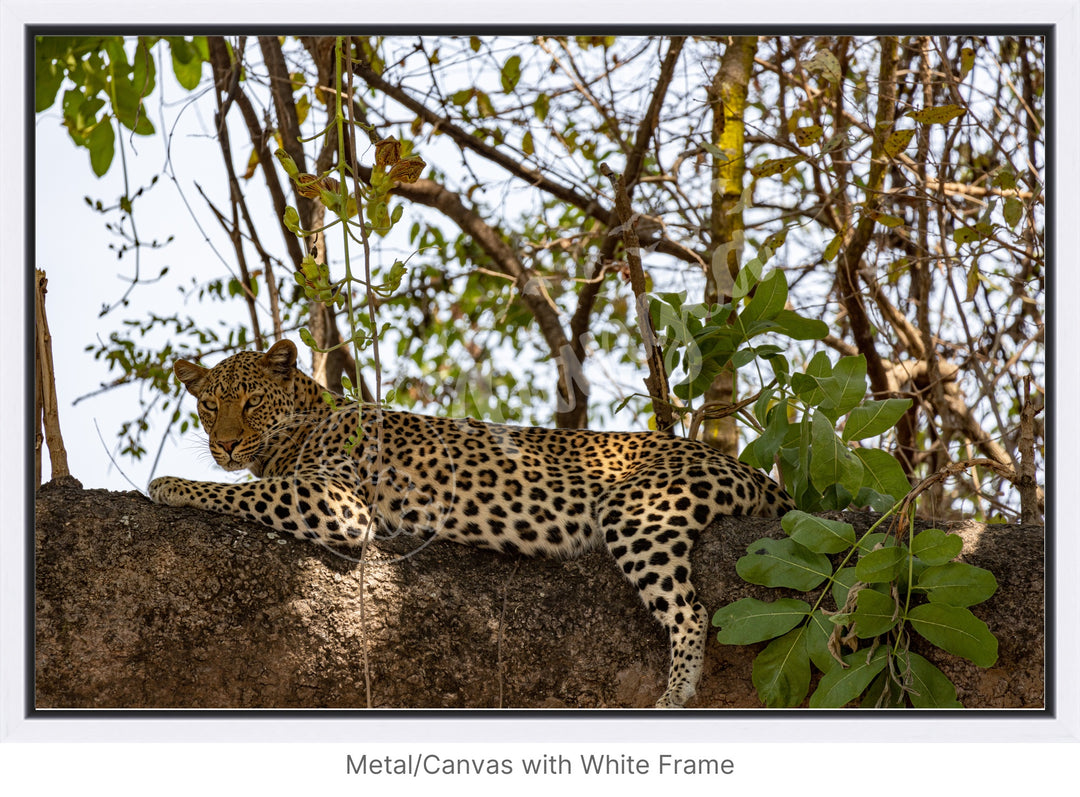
pixel 191 375
pixel 280 360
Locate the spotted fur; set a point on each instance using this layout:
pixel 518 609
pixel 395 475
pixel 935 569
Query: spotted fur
pixel 520 490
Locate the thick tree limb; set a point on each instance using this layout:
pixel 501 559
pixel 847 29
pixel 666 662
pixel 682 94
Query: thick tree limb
pixel 144 606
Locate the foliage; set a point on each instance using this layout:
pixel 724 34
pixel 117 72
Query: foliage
pixel 108 85
pixel 819 468
pixel 882 590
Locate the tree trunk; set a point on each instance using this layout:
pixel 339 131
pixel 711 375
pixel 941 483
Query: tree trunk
pixel 141 606
pixel 727 99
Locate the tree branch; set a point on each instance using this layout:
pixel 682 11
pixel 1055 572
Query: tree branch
pixel 579 323
pixel 259 137
pixel 288 122
pixel 572 387
pixel 656 382
pixel 468 141
pixel 857 241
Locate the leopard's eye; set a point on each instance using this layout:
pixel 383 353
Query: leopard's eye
pixel 253 401
pixel 209 405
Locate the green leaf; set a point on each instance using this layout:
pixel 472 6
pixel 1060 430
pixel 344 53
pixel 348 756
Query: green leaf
pixel 831 461
pixel 840 685
pixel 886 219
pixel 541 105
pixel 881 566
pixel 897 142
pixel 714 349
pixel 875 613
pixel 972 281
pixel 782 671
pixel 48 77
pixel 818 534
pixel 940 115
pixel 749 620
pixel 144 70
pixel 955 630
pixel 483 104
pixel 835 496
pixel 850 375
pixel 760 452
pixel 827 64
pixel 818 631
pixel 813 385
pixel 797 327
pixel 1013 211
pixel 967 61
pixel 872 542
pixel 883 474
pixel 102 146
pixel 773 166
pixel 935 547
pixel 805 136
pixel 878 502
pixel 833 248
pixel 291 219
pixel 749 276
pixel 843 581
pixel 928 687
pixel 1005 178
pixel 303 108
pixel 511 73
pixel 763 406
pixel 768 300
pixel 186 62
pixel 783 563
pixel 957 584
pixel 873 418
pixel 966 235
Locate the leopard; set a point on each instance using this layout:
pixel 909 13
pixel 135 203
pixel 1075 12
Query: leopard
pixel 342 474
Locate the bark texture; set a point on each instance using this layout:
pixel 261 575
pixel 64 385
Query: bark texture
pixel 142 606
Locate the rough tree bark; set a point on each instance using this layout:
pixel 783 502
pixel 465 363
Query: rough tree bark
pixel 145 606
pixel 727 101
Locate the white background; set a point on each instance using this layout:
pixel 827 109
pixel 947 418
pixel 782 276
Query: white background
pixel 938 756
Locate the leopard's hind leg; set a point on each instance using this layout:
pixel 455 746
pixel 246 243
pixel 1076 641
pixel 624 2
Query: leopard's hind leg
pixel 650 531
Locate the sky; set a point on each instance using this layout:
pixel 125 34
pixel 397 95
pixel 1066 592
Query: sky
pixel 85 275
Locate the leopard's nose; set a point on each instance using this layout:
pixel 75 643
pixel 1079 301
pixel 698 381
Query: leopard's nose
pixel 228 445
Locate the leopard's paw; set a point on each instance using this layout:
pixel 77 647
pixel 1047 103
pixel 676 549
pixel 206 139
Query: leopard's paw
pixel 165 490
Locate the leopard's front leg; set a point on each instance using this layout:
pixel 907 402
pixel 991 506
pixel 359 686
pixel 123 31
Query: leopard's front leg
pixel 308 506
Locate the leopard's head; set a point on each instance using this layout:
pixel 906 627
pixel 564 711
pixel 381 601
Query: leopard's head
pixel 241 399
